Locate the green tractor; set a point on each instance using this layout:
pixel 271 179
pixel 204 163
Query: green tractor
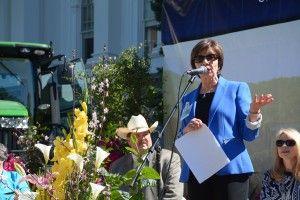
pixel 36 87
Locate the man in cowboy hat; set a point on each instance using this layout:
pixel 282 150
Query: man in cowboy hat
pixel 168 187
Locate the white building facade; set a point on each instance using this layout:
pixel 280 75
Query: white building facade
pixel 82 25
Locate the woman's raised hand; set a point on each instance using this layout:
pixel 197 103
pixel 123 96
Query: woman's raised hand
pixel 259 101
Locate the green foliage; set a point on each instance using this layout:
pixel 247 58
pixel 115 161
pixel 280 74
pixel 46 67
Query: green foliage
pixel 132 90
pixel 149 173
pixel 132 150
pixel 32 157
pixel 122 87
pixel 147 178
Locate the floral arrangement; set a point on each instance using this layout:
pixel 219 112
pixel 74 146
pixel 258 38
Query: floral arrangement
pixel 76 171
pixel 75 165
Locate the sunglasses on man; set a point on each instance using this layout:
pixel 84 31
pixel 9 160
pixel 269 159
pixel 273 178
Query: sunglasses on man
pixel 289 143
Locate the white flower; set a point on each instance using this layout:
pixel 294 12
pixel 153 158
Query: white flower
pixel 105 110
pixel 100 156
pixel 27 195
pixel 93 87
pixel 94 116
pixel 78 159
pixel 94 122
pixel 45 150
pixel 96 189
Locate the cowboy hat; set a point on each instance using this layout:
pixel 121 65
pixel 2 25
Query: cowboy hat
pixel 136 124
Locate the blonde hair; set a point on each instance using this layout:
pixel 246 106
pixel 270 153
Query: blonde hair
pixel 279 168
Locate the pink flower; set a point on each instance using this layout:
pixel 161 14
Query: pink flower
pixel 9 163
pixel 43 182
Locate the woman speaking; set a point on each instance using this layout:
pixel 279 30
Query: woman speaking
pixel 227 109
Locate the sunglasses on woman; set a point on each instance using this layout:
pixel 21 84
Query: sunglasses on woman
pixel 289 143
pixel 209 58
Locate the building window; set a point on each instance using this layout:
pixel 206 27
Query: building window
pixel 87 15
pixel 87 28
pixel 151 37
pixel 152 32
pixel 89 47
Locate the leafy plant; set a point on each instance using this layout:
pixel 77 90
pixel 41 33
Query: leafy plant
pixel 132 90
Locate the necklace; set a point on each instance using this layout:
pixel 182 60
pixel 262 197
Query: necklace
pixel 204 94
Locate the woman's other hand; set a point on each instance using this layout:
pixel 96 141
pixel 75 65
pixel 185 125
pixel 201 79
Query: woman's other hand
pixel 194 124
pixel 257 103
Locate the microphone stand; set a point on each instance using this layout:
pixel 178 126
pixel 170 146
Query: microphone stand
pixel 151 150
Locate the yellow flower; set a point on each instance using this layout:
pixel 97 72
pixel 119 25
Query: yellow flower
pixel 81 147
pixel 59 189
pixel 65 152
pixel 63 168
pixel 76 111
pixel 84 106
pixel 81 126
pixel 19 169
pixel 42 195
pixel 80 134
pixel 62 148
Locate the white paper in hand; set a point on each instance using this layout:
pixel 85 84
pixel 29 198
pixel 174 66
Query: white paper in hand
pixel 202 152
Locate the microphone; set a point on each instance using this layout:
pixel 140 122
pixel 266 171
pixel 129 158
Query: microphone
pixel 200 70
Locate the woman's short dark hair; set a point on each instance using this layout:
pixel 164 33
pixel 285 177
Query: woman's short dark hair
pixel 204 45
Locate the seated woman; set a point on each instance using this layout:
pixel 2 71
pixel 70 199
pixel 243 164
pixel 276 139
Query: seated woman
pixel 10 185
pixel 283 182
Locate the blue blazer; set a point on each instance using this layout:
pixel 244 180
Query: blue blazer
pixel 227 114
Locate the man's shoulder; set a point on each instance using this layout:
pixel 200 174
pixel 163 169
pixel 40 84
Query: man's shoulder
pixel 165 153
pixel 119 162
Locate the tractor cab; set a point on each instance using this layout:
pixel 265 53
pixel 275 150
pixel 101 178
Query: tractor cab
pixel 36 87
